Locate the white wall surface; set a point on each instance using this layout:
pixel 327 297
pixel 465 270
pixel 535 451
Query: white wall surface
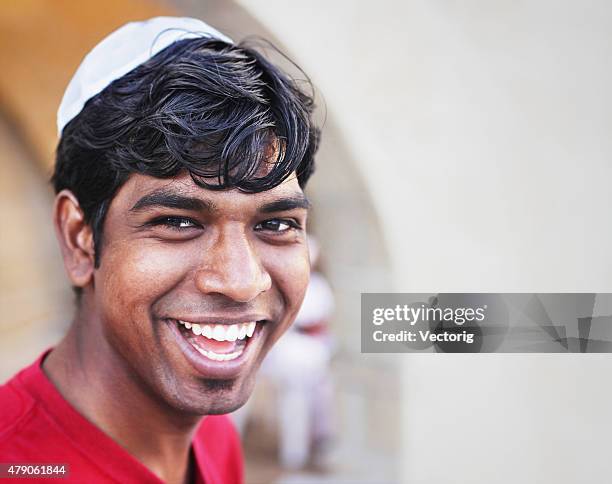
pixel 482 131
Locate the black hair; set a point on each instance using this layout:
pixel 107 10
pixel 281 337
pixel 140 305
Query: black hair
pixel 213 109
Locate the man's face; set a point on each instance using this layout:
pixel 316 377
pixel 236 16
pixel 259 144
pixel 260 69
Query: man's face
pixel 178 260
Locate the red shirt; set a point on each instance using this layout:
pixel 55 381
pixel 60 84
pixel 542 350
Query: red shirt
pixel 38 426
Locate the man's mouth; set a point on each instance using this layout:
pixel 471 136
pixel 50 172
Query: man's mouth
pixel 221 350
pixel 218 342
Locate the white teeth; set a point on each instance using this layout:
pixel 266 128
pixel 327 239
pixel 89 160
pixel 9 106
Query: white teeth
pixel 221 357
pixel 222 332
pixel 219 332
pixel 232 333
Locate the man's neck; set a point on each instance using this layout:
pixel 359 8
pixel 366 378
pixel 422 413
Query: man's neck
pixel 99 385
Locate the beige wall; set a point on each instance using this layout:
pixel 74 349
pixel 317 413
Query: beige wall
pixel 35 297
pixel 482 131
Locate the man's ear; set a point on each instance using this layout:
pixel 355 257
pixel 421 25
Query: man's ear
pixel 75 238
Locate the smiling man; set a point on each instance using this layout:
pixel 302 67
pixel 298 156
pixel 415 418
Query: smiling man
pixel 181 220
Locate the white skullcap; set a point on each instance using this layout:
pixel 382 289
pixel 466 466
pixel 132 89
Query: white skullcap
pixel 122 51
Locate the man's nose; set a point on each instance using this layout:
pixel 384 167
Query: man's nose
pixel 233 268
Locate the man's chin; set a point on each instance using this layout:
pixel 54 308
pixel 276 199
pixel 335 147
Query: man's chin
pixel 227 397
pixel 216 397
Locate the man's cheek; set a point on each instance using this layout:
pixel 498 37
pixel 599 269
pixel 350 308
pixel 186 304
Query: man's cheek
pixel 136 277
pixel 291 274
pixel 295 276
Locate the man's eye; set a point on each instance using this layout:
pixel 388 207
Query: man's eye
pixel 277 225
pixel 175 223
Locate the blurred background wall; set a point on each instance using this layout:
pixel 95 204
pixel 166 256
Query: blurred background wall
pixel 466 148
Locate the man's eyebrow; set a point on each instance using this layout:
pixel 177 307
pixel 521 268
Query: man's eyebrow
pixel 285 203
pixel 170 199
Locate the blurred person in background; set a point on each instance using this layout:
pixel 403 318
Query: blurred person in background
pixel 181 219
